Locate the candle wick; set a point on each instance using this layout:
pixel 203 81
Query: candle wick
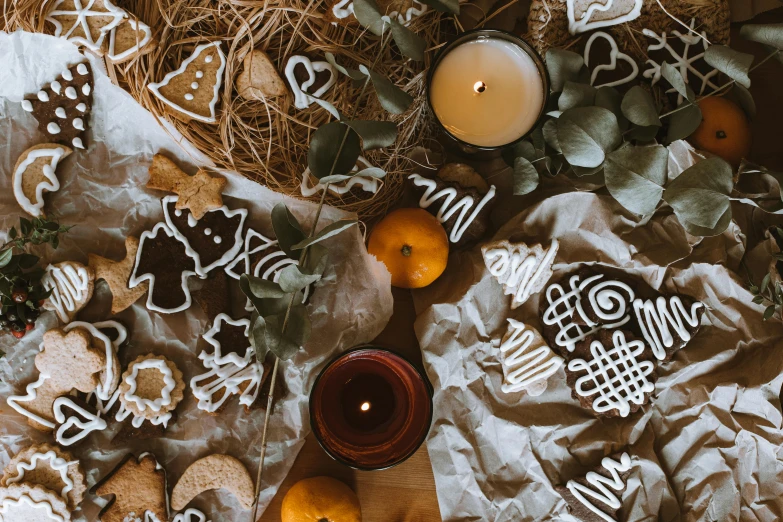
pixel 365 406
pixel 479 87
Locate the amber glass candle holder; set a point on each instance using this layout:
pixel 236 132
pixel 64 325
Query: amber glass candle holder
pixel 370 408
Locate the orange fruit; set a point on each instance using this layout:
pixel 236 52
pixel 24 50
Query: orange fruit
pixel 413 245
pixel 724 130
pixel 320 499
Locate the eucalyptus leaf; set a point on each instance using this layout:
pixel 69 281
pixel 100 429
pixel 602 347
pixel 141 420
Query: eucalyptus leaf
pixel 635 177
pixel 292 279
pixel 409 43
pixel 258 338
pixel 769 312
pixel 523 149
pixel 767 34
pixel 643 134
pixel 586 134
pixel 334 149
pixel 392 98
pixel 675 79
pixel 700 195
pixel 582 172
pixel 370 172
pixel 746 101
pixel 563 66
pixel 369 16
pixel 610 99
pixel 576 95
pixel 280 343
pixel 639 107
pixel 351 73
pixel 550 134
pixel 5 257
pixel 443 6
pixel 719 228
pixel 328 231
pixel 316 260
pixel 328 106
pixel 537 137
pixel 683 122
pixel 261 288
pixel 375 134
pixel 730 62
pixel 525 177
pixel 287 229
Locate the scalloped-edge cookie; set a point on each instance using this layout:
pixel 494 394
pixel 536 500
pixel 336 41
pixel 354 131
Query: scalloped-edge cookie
pixel 31 503
pixel 151 387
pixel 214 472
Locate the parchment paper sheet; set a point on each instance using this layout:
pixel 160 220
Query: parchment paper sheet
pixel 103 194
pixel 708 448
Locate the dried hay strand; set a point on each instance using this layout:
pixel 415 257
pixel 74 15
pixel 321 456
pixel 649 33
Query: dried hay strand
pixel 267 140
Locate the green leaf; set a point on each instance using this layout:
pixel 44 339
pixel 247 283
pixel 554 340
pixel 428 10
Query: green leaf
pixel 369 172
pixel 643 134
pixel 730 62
pixel 325 145
pixel 758 299
pixel 525 177
pixel 443 6
pixel 392 98
pixel 635 177
pixel 12 233
pixel 257 337
pixel 700 195
pixel 317 259
pixel 767 34
pixel 369 16
pixel 765 283
pixel 639 107
pixel 610 99
pixel 285 344
pixel 683 122
pixel 576 95
pixel 523 149
pixel 325 233
pixel 745 100
pixel 563 66
pixel 25 226
pixel 586 134
pixel 409 43
pixel 292 279
pixel 550 134
pixel 375 134
pixel 328 106
pixel 287 229
pixel 347 71
pixel 675 79
pixel 769 312
pixel 5 257
pixel 260 288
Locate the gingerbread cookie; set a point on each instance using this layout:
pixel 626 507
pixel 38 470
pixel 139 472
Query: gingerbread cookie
pixel 590 498
pixel 522 270
pixel 308 79
pixel 75 420
pixel 32 503
pixel 586 15
pixel 212 241
pixel 84 22
pixel 35 173
pixel 191 515
pixel 71 285
pixel 527 361
pixel 162 261
pixel 259 79
pixel 62 108
pixel 232 368
pixel 117 275
pixel 199 194
pixel 151 389
pixel 667 324
pixel 342 11
pixel 129 39
pixel 48 466
pixel 110 376
pixel 139 490
pixel 191 91
pixel 214 472
pixel 358 186
pixel 608 65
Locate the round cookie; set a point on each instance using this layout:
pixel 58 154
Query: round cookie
pixel 34 174
pixel 31 504
pixel 48 466
pixel 152 386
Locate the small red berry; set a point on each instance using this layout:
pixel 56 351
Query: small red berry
pixel 18 334
pixel 19 296
pixel 28 327
pixel 41 303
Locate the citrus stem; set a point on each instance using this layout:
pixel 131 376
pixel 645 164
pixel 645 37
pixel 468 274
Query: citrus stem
pixel 406 250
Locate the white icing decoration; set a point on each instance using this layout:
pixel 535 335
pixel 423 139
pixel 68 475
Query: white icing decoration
pixel 448 208
pixel 194 85
pixel 208 59
pixel 199 74
pixel 178 213
pixel 136 279
pixel 189 96
pixel 207 231
pixel 601 485
pixel 191 515
pixel 345 8
pixel 77 142
pixel 614 55
pixel 155 87
pixel 31 395
pixel 43 96
pixel 584 23
pixel 519 275
pixel 55 86
pixel 81 69
pixel 682 62
pixel 27 105
pixel 658 318
pixel 59 112
pixel 9 503
pixel 70 92
pixel 53 128
pixel 218 240
pixel 104 389
pixel 251 238
pixel 67 76
pixel 616 376
pixel 165 393
pixel 58 464
pixel 81 107
pixel 303 99
pixel 523 363
pixel 78 124
pixel 69 283
pixel 368 184
pixel 142 42
pixel 86 89
pixel 192 222
pixel 82 10
pixel 85 427
pixel 51 184
pixel 123 413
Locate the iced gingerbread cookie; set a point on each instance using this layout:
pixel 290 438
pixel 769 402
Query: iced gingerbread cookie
pixel 358 186
pixel 405 11
pixel 48 466
pixel 191 92
pixel 131 38
pixel 191 515
pixel 99 333
pixel 84 22
pixel 598 496
pixel 667 324
pixel 117 275
pixel 63 107
pixel 308 79
pixel 527 361
pixel 214 472
pixel 199 193
pixel 259 78
pixel 138 488
pixel 72 285
pixel 151 389
pixel 522 270
pixel 607 64
pixel 32 503
pixel 35 173
pixel 75 420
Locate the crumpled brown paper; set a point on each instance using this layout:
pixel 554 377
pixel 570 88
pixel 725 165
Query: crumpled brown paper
pixel 102 193
pixel 707 448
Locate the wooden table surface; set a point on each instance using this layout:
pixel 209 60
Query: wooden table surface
pixel 407 492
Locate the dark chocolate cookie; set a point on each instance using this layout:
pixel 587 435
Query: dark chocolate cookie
pixel 667 324
pixel 597 497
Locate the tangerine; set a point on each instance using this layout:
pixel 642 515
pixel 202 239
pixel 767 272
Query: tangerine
pixel 724 130
pixel 320 499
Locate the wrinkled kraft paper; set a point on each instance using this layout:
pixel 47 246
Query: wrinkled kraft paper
pixel 103 194
pixel 707 448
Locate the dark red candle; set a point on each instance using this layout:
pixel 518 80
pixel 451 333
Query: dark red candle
pixel 370 408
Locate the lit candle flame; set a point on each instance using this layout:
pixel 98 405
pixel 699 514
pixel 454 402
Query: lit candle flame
pixel 479 87
pixel 365 406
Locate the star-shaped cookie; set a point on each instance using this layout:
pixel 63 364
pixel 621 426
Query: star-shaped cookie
pixel 199 194
pixel 117 274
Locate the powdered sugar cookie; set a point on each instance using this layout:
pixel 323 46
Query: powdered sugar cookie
pixel 214 472
pixel 259 79
pixel 138 488
pixel 129 39
pixel 32 503
pixel 199 193
pixel 192 90
pixel 308 79
pixel 117 276
pixel 151 387
pixel 84 22
pixel 35 173
pixel 50 467
pixel 72 285
pixel 522 270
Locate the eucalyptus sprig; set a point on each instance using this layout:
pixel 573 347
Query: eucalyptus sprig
pixel 769 293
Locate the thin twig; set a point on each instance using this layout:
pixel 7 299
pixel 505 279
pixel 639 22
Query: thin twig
pixel 690 30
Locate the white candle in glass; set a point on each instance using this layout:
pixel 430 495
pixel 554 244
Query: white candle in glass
pixel 487 92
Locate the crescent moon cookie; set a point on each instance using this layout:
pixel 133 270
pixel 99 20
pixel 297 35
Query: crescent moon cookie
pixel 138 488
pixel 35 173
pixel 48 466
pixel 72 285
pixel 522 270
pixel 214 472
pixel 32 503
pixel 150 390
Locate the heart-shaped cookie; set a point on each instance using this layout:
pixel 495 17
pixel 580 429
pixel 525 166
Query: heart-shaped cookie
pixel 306 82
pixel 615 56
